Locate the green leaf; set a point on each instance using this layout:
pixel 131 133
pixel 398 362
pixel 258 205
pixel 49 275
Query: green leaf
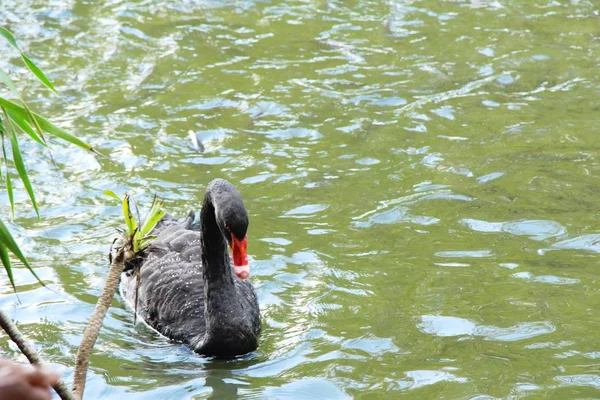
pixel 152 219
pixel 9 36
pixel 60 133
pixel 37 72
pixel 145 242
pixel 11 197
pixel 7 265
pixel 30 64
pixel 7 240
pixel 141 238
pixel 129 220
pixel 36 124
pixel 7 81
pixel 112 194
pixel 148 239
pixel 45 124
pixel 25 127
pixel 18 160
pixel 9 188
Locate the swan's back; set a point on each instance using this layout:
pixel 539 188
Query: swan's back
pixel 171 289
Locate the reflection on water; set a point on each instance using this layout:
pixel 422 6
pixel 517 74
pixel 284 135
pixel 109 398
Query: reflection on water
pixel 451 326
pixel 420 176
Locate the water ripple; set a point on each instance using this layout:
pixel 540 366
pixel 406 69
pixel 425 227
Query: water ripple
pixel 535 229
pixel 398 159
pixel 452 326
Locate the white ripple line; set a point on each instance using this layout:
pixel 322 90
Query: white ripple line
pixel 450 94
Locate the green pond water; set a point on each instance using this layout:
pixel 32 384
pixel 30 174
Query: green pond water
pixel 421 178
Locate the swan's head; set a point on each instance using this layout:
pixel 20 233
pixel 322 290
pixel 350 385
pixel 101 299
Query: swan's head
pixel 232 218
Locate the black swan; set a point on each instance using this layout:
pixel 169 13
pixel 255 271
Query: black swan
pixel 188 290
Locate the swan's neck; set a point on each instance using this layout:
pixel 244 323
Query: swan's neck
pixel 224 319
pixel 216 268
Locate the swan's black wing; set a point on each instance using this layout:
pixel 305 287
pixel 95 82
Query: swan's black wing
pixel 171 290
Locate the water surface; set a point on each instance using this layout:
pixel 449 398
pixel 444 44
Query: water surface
pixel 421 178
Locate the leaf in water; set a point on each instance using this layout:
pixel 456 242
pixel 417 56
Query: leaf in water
pixel 112 194
pixel 7 81
pixel 9 36
pixel 37 72
pixel 18 160
pixel 7 265
pixel 198 146
pixel 7 240
pixel 25 127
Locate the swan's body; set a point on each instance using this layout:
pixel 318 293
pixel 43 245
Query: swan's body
pixel 188 290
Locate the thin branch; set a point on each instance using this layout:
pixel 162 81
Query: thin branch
pixel 93 329
pixel 29 351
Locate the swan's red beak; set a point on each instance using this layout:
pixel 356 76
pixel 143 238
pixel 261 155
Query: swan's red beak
pixel 240 257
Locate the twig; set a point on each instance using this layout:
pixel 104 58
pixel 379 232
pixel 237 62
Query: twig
pixel 29 351
pixel 93 329
pixel 135 297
